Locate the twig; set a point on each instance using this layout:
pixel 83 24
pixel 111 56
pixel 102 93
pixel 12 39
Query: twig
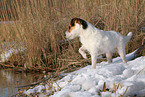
pixel 36 83
pixel 139 50
pixel 141 70
pixel 8 66
pixel 125 91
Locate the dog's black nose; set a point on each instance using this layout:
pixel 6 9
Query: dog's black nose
pixel 64 34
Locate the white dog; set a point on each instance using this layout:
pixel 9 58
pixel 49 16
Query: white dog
pixel 97 41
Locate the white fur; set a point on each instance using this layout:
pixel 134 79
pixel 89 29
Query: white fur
pixel 97 42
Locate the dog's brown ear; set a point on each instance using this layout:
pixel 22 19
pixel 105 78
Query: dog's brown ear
pixel 72 23
pixel 79 21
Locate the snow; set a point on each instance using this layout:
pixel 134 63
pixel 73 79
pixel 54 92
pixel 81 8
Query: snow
pixel 36 89
pixel 9 49
pixel 87 82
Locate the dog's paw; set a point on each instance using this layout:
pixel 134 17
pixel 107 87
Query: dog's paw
pixel 93 67
pixel 85 57
pixel 126 63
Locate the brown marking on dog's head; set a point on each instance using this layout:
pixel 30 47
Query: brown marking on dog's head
pixel 79 21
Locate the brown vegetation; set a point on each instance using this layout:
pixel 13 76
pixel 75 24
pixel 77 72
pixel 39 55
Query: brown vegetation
pixel 40 25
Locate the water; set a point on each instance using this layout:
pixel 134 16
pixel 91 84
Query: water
pixel 9 80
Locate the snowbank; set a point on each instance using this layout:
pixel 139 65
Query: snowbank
pixel 8 49
pixel 86 82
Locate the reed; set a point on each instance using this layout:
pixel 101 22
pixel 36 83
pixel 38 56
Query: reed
pixel 40 25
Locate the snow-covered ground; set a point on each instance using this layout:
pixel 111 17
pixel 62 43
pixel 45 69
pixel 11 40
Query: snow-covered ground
pixel 129 80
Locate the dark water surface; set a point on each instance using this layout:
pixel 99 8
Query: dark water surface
pixel 10 79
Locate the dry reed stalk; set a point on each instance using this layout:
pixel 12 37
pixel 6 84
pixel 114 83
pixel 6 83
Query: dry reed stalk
pixel 104 87
pixel 115 89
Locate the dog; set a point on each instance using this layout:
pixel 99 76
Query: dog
pixel 96 41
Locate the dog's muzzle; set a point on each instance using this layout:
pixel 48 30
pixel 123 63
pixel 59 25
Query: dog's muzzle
pixel 67 34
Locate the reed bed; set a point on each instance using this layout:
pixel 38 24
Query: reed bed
pixel 40 25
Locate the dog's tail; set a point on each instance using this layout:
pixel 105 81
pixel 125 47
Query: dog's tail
pixel 128 37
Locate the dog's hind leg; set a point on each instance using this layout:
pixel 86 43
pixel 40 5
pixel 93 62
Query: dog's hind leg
pixel 94 60
pixel 82 52
pixel 109 57
pixel 122 54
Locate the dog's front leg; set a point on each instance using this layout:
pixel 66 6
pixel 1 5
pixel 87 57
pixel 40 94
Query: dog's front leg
pixel 94 60
pixel 82 52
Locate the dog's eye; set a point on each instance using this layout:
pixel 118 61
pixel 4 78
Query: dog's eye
pixel 69 27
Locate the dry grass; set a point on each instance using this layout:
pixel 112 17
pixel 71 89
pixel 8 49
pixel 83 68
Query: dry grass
pixel 40 25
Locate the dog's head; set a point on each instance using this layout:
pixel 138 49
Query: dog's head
pixel 76 26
